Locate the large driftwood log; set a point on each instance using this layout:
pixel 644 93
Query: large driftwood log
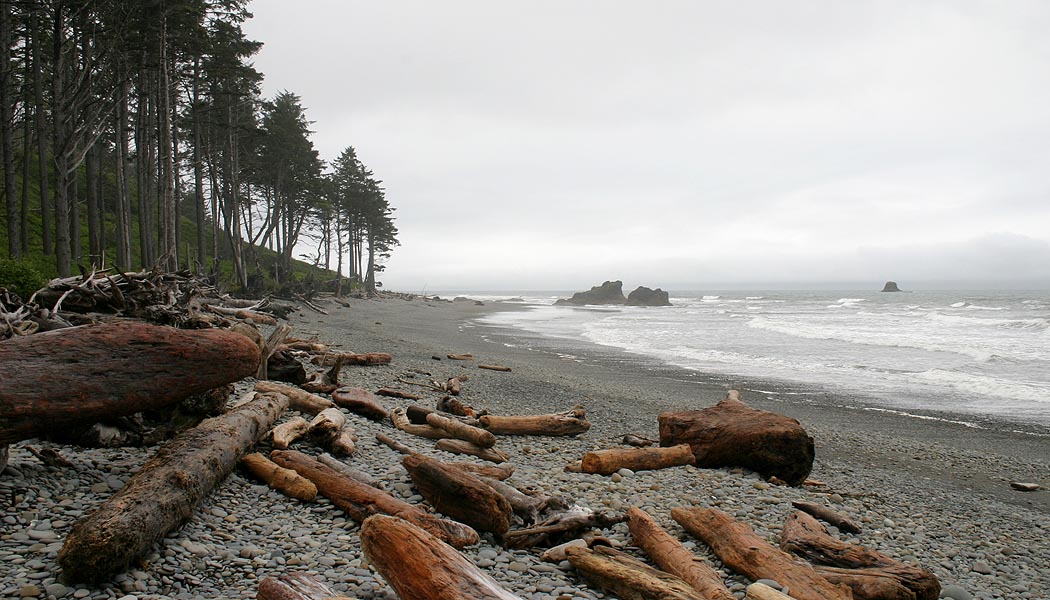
pixel 360 401
pixel 163 494
pixel 465 447
pixel 459 495
pixel 401 421
pixel 871 574
pixel 421 567
pixel 299 399
pixel 78 375
pixel 741 549
pixel 474 435
pixel 628 577
pixel 671 556
pixel 607 462
pixel 286 481
pixel 761 591
pixel 526 507
pixel 732 434
pixel 296 586
pixel 570 422
pixel 842 522
pixel 360 501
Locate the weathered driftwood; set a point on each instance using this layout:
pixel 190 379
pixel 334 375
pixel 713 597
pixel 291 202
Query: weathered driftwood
pixel 637 441
pixel 299 399
pixel 454 386
pixel 311 346
pixel 360 501
pixel 671 556
pixel 458 494
pixel 330 428
pixel 401 421
pixel 842 522
pixel 742 550
pixel 556 554
pixel 475 435
pixel 526 507
pixel 871 574
pixel 460 357
pixel 325 382
pixel 393 444
pixel 464 447
pixel 456 406
pixel 392 393
pixel 296 586
pixel 164 492
pixel 628 577
pixel 342 443
pixel 286 433
pixel 499 472
pixel 732 434
pixel 284 367
pixel 369 359
pixel 79 375
pixel 607 462
pixel 244 314
pixel 286 481
pixel 341 467
pixel 495 368
pixel 360 401
pixel 421 567
pixel 560 525
pixel 570 422
pixel 761 591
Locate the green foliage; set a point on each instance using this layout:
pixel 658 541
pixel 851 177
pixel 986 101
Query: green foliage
pixel 20 276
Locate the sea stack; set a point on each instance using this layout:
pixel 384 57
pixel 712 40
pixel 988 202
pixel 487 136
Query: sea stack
pixel 644 296
pixel 891 286
pixel 610 292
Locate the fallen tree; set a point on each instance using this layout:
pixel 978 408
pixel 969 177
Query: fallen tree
pixel 299 399
pixel 163 494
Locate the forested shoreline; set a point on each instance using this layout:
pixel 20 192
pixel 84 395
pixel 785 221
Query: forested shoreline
pixel 134 135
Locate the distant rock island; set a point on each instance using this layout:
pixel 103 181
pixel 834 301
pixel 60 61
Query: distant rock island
pixel 611 292
pixel 891 286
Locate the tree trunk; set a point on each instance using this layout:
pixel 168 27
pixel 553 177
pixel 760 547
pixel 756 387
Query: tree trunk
pixel 871 575
pixel 169 250
pixel 164 493
pixel 360 501
pixel 360 401
pixel 94 208
pixel 198 168
pixel 570 422
pixel 607 462
pixel 628 577
pixel 7 132
pixel 82 374
pixel 60 139
pixel 40 113
pixel 671 556
pixel 742 550
pixel 123 206
pixel 459 495
pixel 421 567
pixel 732 434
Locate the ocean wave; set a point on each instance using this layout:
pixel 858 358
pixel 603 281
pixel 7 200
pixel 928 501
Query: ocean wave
pixel 710 298
pixel 849 300
pixel 984 385
pixel 754 297
pixel 1037 324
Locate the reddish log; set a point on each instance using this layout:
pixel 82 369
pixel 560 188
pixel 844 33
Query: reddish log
pixel 458 494
pixel 671 556
pixel 607 462
pixel 361 402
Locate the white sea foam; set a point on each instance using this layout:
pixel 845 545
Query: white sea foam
pixel 972 383
pixel 754 297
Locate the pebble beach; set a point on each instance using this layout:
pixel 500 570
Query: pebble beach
pixel 924 490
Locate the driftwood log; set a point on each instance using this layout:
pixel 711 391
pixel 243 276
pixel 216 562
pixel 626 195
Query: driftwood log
pixel 761 591
pixel 732 434
pixel 299 399
pixel 420 566
pixel 400 419
pixel 560 525
pixel 628 577
pixel 289 431
pixel 570 422
pixel 163 494
pixel 76 376
pixel 286 481
pixel 607 462
pixel 842 522
pixel 741 549
pixel 671 556
pixel 325 382
pixel 392 393
pixel 337 465
pixel 474 435
pixel 360 501
pixel 360 401
pixel 526 507
pixel 459 495
pixel 464 447
pixel 870 574
pixel 456 406
pixel 500 472
pixel 296 586
pixel 495 368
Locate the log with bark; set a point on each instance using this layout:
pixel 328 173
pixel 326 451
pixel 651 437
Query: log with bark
pixel 299 399
pixel 842 522
pixel 459 495
pixel 628 577
pixel 286 433
pixel 871 574
pixel 475 435
pixel 741 549
pixel 464 447
pixel 165 491
pixel 286 481
pixel 360 401
pixel 360 501
pixel 392 393
pixel 421 567
pixel 732 434
pixel 76 376
pixel 570 422
pixel 671 556
pixel 561 525
pixel 607 462
pixel 296 586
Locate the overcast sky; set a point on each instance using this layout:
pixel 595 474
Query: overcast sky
pixel 556 144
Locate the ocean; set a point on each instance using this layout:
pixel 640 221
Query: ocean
pixel 981 358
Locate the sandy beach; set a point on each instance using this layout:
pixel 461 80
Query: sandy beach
pixel 930 491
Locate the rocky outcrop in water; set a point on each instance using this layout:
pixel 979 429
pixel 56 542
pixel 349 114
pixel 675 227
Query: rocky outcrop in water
pixel 643 296
pixel 891 286
pixel 610 292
